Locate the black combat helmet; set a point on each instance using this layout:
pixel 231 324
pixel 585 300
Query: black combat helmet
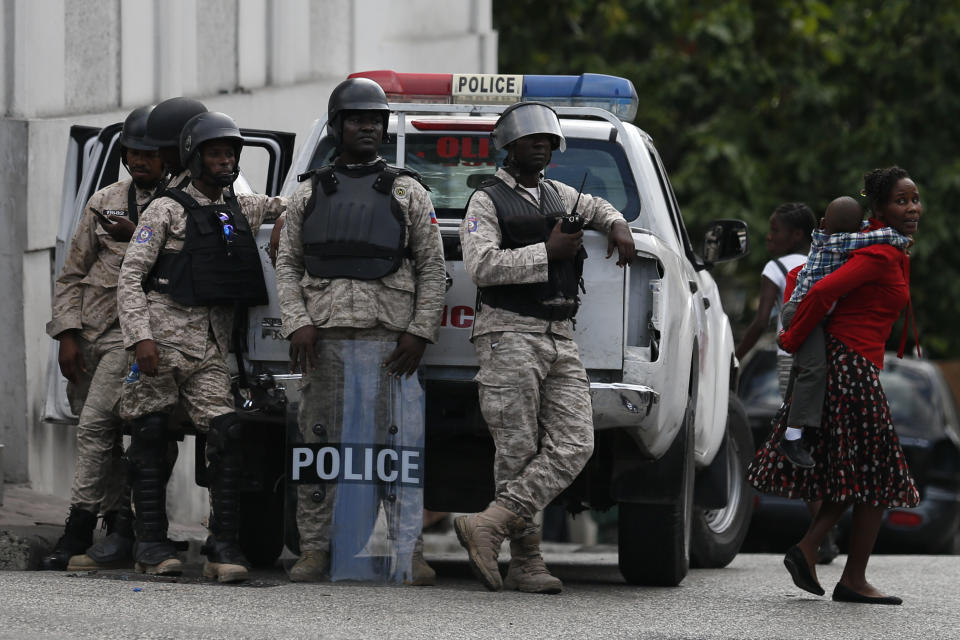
pixel 355 94
pixel 134 132
pixel 204 127
pixel 167 119
pixel 528 118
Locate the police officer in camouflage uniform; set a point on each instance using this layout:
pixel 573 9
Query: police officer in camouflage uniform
pixel 394 291
pixel 164 125
pixel 93 360
pixel 193 260
pixel 534 391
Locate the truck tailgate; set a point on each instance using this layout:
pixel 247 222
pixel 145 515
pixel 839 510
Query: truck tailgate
pixel 599 326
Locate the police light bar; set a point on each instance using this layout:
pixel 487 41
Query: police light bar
pixel 614 94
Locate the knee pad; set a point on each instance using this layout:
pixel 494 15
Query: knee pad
pixel 147 444
pixel 148 436
pixel 149 429
pixel 224 435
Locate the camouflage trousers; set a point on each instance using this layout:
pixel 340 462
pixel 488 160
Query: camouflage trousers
pixel 201 385
pixel 320 419
pixel 100 477
pixel 535 399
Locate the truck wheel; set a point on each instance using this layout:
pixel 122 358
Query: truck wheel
pixel 261 527
pixel 654 539
pixel 719 533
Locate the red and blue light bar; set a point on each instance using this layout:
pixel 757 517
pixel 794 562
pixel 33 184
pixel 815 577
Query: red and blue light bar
pixel 614 94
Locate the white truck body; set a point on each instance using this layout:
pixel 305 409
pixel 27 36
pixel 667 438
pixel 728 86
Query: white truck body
pixel 636 386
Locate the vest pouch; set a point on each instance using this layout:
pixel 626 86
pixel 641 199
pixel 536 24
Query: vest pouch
pixel 228 275
pixel 526 230
pixel 179 276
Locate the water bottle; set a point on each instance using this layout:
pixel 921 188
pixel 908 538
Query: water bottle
pixel 134 375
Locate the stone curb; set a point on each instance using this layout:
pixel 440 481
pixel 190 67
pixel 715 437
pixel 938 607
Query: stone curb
pixel 21 547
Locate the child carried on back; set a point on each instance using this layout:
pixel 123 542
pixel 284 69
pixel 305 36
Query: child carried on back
pixel 839 234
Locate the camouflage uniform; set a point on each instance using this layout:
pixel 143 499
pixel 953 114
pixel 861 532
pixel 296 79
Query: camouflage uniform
pixel 534 391
pixel 85 301
pixel 192 341
pixel 409 300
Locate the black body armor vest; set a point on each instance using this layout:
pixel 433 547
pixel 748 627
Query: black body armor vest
pixel 352 225
pixel 219 263
pixel 523 224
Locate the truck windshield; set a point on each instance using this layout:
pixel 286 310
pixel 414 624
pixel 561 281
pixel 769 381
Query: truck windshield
pixel 454 165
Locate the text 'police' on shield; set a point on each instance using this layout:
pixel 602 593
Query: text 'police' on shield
pixel 355 463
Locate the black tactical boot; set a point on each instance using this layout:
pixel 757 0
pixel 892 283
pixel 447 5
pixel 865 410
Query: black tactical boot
pixel 225 560
pixel 153 552
pixel 77 536
pixel 115 550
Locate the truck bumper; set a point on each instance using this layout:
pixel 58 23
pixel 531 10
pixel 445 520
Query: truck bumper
pixel 616 405
pixel 631 407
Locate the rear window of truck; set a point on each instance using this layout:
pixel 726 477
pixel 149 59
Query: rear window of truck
pixel 453 165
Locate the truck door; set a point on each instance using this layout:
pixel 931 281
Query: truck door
pixel 88 168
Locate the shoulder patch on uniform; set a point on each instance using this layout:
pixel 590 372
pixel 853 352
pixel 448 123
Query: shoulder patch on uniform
pixel 144 234
pixel 472 224
pixel 433 217
pixel 400 191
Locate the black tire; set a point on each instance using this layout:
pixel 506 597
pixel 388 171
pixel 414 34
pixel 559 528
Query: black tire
pixel 718 534
pixel 654 539
pixel 261 527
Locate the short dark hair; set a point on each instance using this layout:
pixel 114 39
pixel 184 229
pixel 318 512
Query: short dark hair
pixel 797 215
pixel 878 184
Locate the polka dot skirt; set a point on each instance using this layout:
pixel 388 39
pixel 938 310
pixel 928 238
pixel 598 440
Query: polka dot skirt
pixel 857 452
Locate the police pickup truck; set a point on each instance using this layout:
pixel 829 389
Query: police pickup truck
pixel 672 440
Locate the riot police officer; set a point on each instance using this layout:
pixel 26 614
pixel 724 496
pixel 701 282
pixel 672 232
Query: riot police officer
pixel 92 358
pixel 534 391
pixel 360 261
pixel 193 260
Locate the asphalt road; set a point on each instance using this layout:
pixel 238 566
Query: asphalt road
pixel 752 598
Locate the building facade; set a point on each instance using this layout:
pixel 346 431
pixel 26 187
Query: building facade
pixel 268 63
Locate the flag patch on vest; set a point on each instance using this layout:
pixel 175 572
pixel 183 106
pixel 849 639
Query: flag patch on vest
pixel 472 224
pixel 144 234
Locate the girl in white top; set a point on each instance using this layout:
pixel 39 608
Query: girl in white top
pixel 788 242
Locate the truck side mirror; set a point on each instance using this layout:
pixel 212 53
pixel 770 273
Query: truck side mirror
pixel 725 240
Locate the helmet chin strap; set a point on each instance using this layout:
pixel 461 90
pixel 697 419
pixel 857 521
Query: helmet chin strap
pixel 228 179
pixel 222 181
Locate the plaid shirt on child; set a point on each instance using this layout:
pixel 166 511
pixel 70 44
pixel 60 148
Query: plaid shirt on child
pixel 829 251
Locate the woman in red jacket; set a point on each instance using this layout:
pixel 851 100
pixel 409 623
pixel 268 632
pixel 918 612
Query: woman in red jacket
pixel 859 461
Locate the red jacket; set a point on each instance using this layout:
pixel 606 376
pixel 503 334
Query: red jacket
pixel 791 283
pixel 871 288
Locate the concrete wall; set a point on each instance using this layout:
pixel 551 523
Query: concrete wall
pixel 269 63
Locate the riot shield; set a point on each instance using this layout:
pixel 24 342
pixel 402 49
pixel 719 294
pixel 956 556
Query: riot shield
pixel 378 487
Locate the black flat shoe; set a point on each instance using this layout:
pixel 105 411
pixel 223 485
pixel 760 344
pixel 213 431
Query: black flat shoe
pixel 796 453
pixel 796 564
pixel 843 593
